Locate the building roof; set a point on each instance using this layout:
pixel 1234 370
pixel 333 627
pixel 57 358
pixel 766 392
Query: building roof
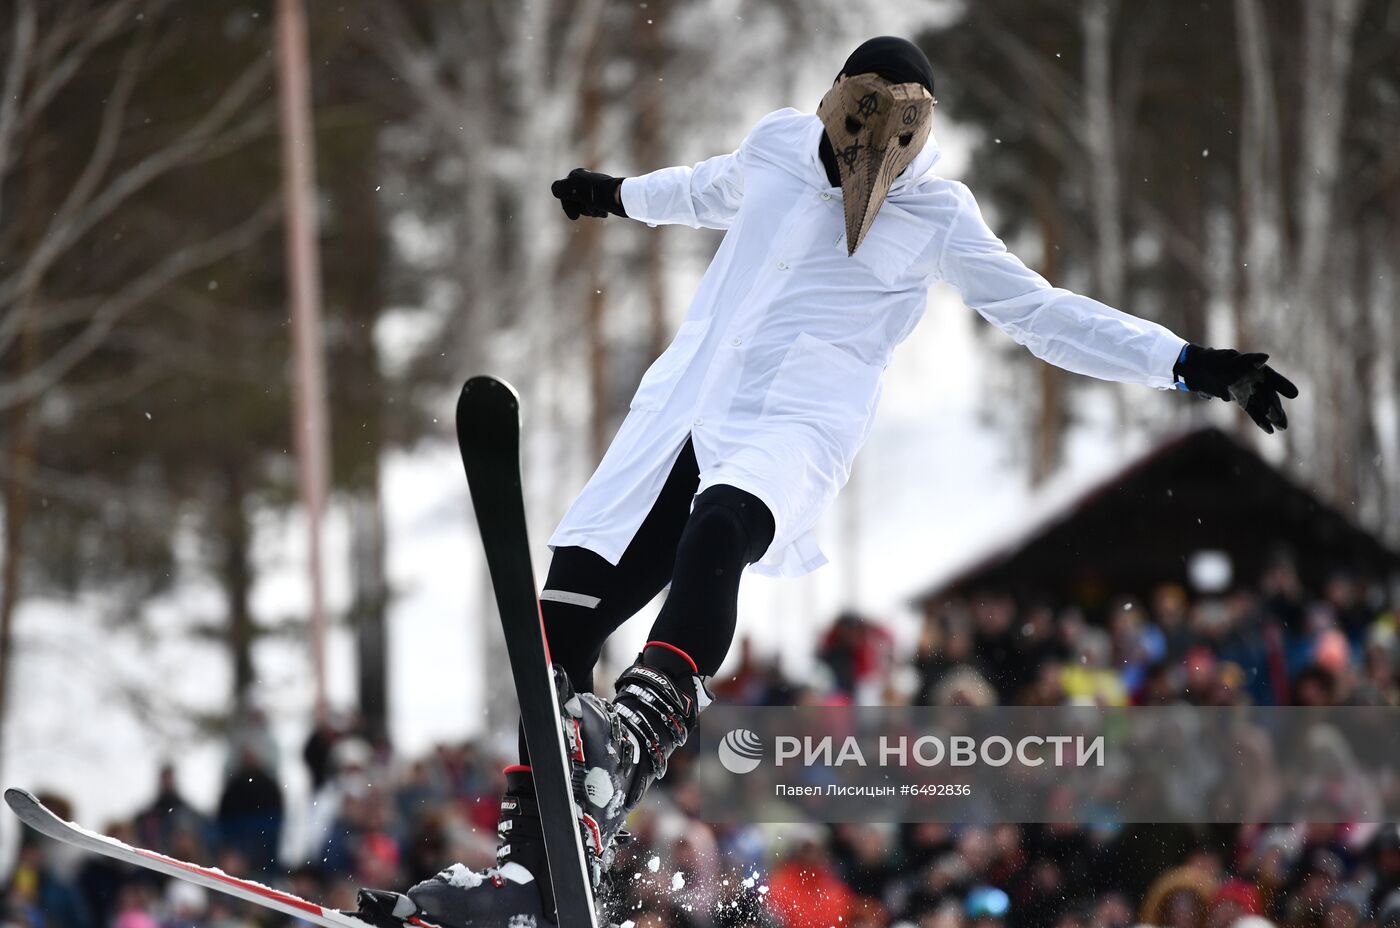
pixel 1137 529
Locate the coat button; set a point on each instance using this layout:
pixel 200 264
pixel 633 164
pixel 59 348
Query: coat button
pixel 825 195
pixel 782 265
pixel 736 342
pixel 699 421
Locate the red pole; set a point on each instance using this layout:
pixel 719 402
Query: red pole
pixel 304 275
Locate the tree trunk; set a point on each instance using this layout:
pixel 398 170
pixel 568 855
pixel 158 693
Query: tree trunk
pixel 369 606
pixel 310 414
pixel 1100 134
pixel 1261 206
pixel 19 451
pixel 1383 308
pixel 649 150
pixel 589 242
pixel 355 294
pixel 19 465
pixel 1052 417
pixel 236 577
pixel 1328 29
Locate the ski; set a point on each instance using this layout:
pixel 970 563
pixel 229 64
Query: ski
pixel 488 435
pixel 37 816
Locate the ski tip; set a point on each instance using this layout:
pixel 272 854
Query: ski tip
pixel 18 799
pixel 486 384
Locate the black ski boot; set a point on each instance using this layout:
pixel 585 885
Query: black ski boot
pixel 513 894
pixel 618 748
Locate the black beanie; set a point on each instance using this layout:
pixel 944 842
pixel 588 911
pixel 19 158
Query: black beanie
pixel 897 60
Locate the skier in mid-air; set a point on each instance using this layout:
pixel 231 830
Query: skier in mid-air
pixel 742 432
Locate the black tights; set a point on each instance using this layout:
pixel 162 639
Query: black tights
pixel 701 552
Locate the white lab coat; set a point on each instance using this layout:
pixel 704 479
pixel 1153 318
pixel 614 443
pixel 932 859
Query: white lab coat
pixel 776 370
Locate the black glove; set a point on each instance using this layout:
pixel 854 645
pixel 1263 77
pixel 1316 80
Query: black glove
pixel 588 193
pixel 1244 378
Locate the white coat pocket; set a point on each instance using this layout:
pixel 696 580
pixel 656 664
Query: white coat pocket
pixel 660 380
pixel 893 244
pixel 823 388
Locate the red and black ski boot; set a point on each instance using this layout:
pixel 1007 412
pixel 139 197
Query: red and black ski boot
pixel 619 747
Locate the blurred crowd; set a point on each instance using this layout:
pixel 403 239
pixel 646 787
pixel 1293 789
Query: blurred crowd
pixel 382 821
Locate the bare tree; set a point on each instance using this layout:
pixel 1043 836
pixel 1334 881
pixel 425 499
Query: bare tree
pixel 104 185
pixel 56 203
pixel 1075 121
pixel 1227 171
pixel 1297 281
pixel 1260 172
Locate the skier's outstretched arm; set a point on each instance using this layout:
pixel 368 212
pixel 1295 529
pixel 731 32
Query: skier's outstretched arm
pixel 1088 337
pixel 706 195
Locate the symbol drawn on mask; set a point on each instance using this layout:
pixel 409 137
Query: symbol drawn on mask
pixel 849 154
pixel 876 128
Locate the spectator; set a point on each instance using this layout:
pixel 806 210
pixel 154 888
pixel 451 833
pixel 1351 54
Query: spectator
pixel 862 854
pixel 1089 678
pixel 1179 898
pixel 1346 907
pixel 1233 900
pixel 945 643
pixel 858 652
pixel 1346 599
pixel 168 814
pixel 806 890
pixel 317 750
pixel 986 907
pixel 1388 914
pixel 1385 864
pixel 328 833
pixel 39 894
pixel 1315 686
pixel 250 813
pixel 1272 643
pixel 1169 613
pixel 100 879
pixel 134 907
pixel 1283 595
pixel 185 905
pixel 995 651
